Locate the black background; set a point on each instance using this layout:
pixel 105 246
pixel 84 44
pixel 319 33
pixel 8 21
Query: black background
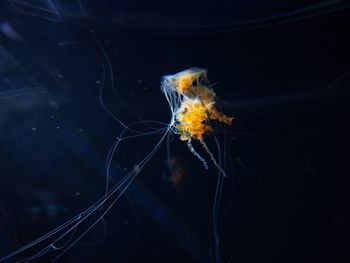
pixel 284 78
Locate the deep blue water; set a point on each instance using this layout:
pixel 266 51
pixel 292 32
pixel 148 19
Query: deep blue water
pixel 281 70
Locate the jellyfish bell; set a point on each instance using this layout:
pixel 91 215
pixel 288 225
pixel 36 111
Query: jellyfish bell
pixel 182 80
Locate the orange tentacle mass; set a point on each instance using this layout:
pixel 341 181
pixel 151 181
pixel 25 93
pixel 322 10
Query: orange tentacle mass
pixel 198 105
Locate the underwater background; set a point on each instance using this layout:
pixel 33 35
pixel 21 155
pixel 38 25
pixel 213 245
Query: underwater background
pixel 281 69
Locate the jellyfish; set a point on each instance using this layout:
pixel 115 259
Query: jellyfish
pixel 193 106
pixel 193 109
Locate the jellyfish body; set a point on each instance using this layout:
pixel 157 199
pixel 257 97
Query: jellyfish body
pixel 193 105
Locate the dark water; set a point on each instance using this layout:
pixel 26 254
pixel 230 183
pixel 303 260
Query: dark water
pixel 281 70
